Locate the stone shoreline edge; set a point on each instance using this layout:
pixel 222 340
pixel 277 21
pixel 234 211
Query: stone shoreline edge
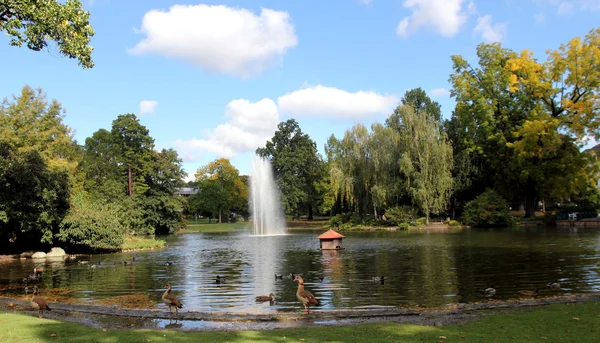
pixel 346 314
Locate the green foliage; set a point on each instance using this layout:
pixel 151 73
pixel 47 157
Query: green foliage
pixel 34 198
pixel 297 167
pixel 403 226
pixel 37 165
pixel 487 209
pixel 454 223
pixel 36 22
pixel 401 214
pixel 221 189
pixel 426 162
pixel 92 224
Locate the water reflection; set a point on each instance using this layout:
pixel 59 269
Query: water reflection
pixel 419 268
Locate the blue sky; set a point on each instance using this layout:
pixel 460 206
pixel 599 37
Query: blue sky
pixel 213 79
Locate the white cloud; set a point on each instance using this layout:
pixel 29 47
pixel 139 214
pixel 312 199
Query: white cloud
pixel 444 17
pixel 566 8
pixel 488 31
pixel 189 177
pixel 540 18
pixel 249 126
pixel 220 39
pixel 148 106
pixel 439 92
pixel 333 102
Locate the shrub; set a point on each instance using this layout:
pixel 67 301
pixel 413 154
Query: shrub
pixel 453 223
pixel 403 226
pixel 92 225
pixel 400 214
pixel 487 209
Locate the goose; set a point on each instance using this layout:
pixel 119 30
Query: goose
pixel 169 263
pixel 94 266
pixel 220 279
pixel 38 303
pixel 83 262
pixel 263 298
pixel 488 292
pixel 171 300
pixel 530 293
pixel 305 297
pixel 553 284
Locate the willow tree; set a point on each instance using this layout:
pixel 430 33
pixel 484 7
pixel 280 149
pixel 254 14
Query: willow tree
pixel 426 160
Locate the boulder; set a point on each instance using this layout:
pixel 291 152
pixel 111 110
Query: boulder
pixel 56 252
pixel 39 254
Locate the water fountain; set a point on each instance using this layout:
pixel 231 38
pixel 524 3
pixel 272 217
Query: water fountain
pixel 265 204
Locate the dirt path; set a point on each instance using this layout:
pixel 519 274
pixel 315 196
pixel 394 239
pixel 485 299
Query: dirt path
pixel 118 318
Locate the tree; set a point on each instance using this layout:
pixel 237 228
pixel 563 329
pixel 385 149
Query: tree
pixel 224 185
pixel 524 120
pixel 100 165
pixel 296 164
pixel 36 22
pixel 418 99
pixel 34 197
pixel 134 148
pixel 30 122
pixel 427 160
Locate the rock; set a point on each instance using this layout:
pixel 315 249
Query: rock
pixel 39 254
pixel 26 254
pixel 437 324
pixel 56 252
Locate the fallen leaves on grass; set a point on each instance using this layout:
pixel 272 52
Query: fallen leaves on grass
pixel 129 301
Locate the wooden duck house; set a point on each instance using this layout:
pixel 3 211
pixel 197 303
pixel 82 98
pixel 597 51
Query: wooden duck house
pixel 331 240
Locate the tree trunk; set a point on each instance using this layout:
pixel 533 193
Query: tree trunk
pixel 310 212
pixel 220 216
pixel 453 208
pixel 426 219
pixel 209 219
pixel 129 183
pixel 530 206
pixel 375 212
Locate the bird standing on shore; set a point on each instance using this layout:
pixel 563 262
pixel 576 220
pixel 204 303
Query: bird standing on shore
pixel 171 300
pixel 488 292
pixel 305 296
pixel 38 303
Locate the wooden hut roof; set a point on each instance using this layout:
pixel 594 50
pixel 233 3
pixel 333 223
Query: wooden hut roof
pixel 330 235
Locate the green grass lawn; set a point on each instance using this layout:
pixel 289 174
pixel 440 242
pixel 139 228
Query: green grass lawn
pixel 139 242
pixel 553 323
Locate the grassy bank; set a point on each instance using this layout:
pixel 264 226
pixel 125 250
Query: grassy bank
pixel 553 323
pixel 141 243
pixel 224 227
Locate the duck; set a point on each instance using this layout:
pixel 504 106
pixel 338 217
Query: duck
pixel 83 262
pixel 278 276
pixel 94 266
pixel 321 278
pixel 488 292
pixel 35 277
pixel 530 293
pixel 220 279
pixel 171 300
pixel 38 303
pixel 379 279
pixel 553 284
pixel 305 297
pixel 169 263
pixel 263 298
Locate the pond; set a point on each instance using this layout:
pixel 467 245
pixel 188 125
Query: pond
pixel 420 268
